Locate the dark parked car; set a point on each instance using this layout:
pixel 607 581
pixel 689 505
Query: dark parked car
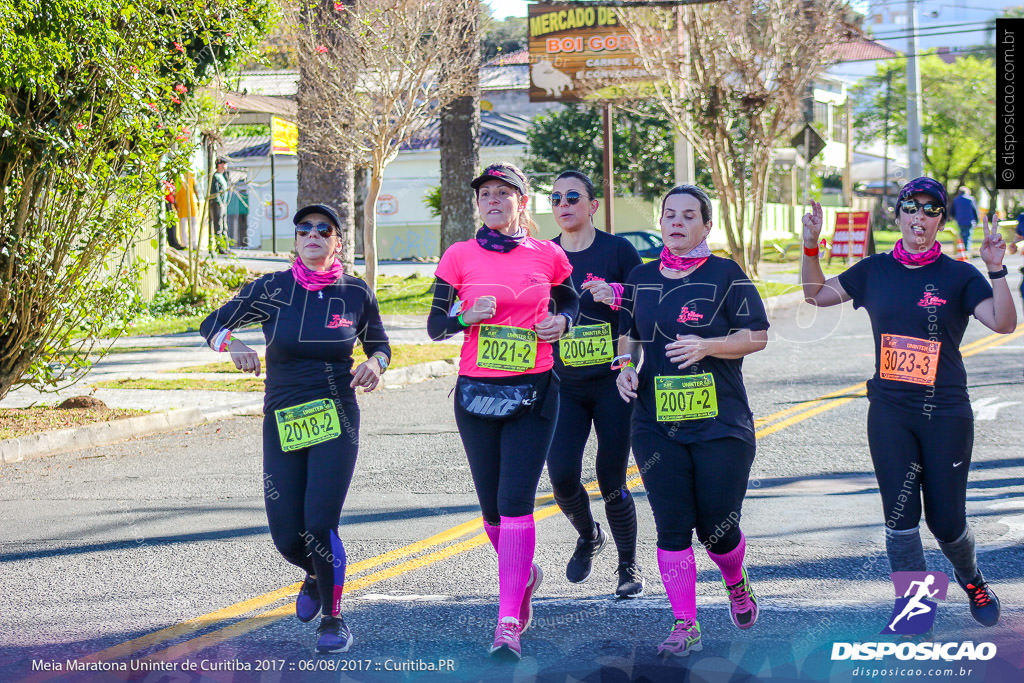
pixel 647 242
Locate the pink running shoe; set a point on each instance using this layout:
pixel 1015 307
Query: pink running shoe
pixel 506 640
pixel 684 639
pixel 526 610
pixel 742 602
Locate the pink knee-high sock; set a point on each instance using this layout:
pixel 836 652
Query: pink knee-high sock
pixel 492 531
pixel 679 574
pixel 515 556
pixel 731 563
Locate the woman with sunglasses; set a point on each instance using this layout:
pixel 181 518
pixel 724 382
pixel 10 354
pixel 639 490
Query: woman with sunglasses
pixel 695 316
pixel 515 300
pixel 920 422
pixel 600 264
pixel 311 315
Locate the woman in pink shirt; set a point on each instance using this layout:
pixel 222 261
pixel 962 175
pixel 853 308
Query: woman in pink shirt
pixel 516 299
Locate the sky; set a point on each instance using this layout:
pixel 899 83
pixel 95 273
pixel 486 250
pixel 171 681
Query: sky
pixel 507 8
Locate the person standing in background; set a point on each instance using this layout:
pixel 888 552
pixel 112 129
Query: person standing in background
pixel 965 213
pixel 219 206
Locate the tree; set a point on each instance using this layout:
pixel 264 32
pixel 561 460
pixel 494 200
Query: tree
pixel 503 37
pixel 958 116
pixel 93 99
pixel 460 141
pixel 379 80
pixel 730 76
pixel 641 142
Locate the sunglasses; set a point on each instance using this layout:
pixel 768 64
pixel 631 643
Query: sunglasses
pixel 910 207
pixel 325 230
pixel 572 198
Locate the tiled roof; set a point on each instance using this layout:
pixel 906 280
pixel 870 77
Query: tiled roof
pixel 517 57
pixel 863 50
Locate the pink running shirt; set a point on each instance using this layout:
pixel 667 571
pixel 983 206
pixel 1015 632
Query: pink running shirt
pixel 520 281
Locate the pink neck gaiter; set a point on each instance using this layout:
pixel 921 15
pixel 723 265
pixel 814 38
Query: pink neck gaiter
pixel 315 280
pixel 691 259
pixel 900 253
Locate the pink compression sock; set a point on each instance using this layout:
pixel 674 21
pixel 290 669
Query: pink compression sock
pixel 515 557
pixel 679 574
pixel 731 563
pixel 492 531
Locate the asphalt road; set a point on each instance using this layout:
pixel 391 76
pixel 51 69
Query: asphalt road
pixel 154 554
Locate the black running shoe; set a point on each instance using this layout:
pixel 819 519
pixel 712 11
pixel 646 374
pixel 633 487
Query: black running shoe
pixel 334 636
pixel 984 603
pixel 582 560
pixel 631 580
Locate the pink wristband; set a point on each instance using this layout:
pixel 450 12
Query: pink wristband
pixel 617 288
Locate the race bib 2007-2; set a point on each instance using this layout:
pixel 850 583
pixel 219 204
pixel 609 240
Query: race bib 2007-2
pixel 685 397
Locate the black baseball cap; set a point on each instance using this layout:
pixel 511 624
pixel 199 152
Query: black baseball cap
pixel 502 173
pixel 317 208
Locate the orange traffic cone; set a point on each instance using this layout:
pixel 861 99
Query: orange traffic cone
pixel 961 252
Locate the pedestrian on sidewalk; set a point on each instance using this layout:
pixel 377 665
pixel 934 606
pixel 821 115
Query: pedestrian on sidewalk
pixel 920 421
pixel 515 301
pixel 311 317
pixel 965 212
pixel 600 264
pixel 694 316
pixel 219 192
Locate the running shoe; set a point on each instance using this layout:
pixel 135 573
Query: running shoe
pixel 506 640
pixel 742 602
pixel 307 604
pixel 582 560
pixel 984 603
pixel 684 639
pixel 526 610
pixel 631 580
pixel 334 636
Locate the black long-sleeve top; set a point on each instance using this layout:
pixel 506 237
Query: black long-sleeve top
pixel 310 335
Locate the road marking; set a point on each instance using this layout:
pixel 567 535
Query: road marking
pixel 985 409
pixel 793 415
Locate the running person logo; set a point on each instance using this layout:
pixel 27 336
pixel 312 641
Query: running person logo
pixel 916 596
pixel 689 316
pixel 337 321
pixel 930 299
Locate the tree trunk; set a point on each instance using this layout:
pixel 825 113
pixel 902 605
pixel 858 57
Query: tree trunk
pixel 370 232
pixel 460 158
pixel 460 150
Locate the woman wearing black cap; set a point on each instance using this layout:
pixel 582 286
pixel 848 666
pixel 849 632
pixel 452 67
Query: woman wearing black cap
pixel 516 299
pixel 311 316
pixel 920 422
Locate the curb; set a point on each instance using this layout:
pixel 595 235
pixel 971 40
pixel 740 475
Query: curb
pixel 105 433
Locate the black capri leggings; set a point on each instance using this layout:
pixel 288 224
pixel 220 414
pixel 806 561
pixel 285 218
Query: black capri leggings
pixel 506 457
pixel 694 486
pixel 304 491
pixel 594 401
pixel 913 456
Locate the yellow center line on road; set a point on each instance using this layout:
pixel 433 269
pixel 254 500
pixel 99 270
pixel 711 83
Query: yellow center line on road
pixel 806 410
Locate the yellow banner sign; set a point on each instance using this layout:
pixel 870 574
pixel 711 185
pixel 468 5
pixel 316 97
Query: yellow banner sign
pixel 284 136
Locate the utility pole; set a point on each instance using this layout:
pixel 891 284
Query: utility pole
pixel 914 155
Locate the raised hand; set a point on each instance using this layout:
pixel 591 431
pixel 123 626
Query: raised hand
pixel 993 248
pixel 482 309
pixel 812 225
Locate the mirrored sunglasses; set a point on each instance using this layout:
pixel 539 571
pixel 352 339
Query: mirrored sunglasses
pixel 572 197
pixel 910 207
pixel 325 230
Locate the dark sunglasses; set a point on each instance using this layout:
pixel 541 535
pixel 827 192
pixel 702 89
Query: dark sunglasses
pixel 572 198
pixel 325 230
pixel 910 207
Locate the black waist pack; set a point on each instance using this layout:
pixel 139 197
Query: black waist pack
pixel 495 401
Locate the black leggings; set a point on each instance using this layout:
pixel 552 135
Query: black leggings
pixel 581 404
pixel 694 486
pixel 506 457
pixel 913 456
pixel 304 491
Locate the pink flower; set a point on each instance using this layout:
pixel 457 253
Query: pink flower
pixel 152 105
pixel 322 49
pixel 230 105
pixel 230 34
pixel 175 100
pixel 180 88
pixel 134 69
pixel 79 126
pixel 179 47
pixel 339 6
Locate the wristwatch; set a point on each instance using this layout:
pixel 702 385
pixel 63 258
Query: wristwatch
pixel 997 274
pixel 383 363
pixel 568 322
